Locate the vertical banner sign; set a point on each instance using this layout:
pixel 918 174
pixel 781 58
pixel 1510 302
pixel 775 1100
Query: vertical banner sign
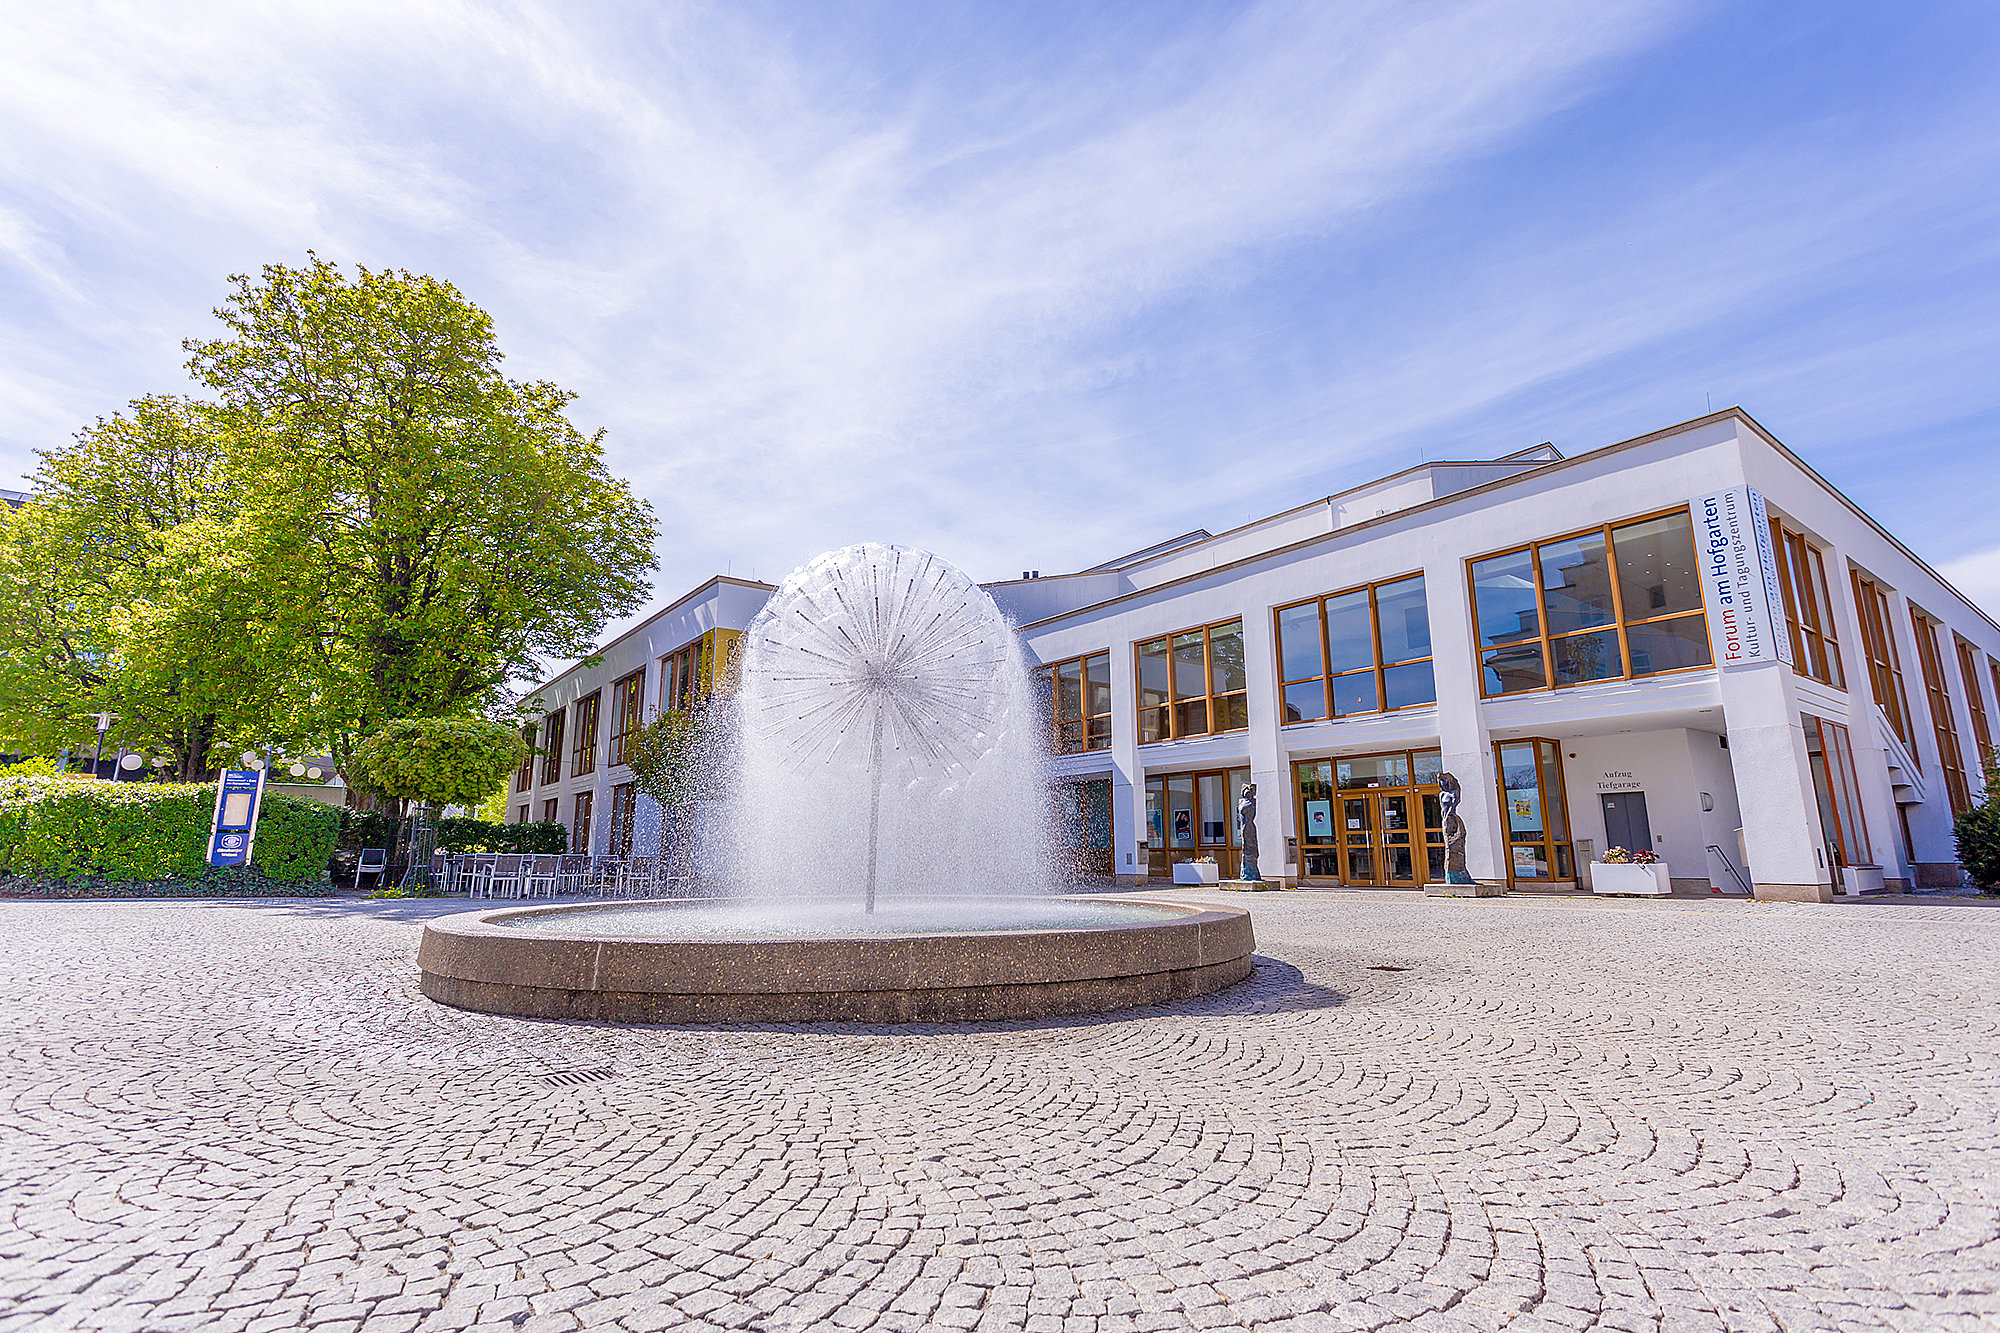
pixel 1739 578
pixel 238 798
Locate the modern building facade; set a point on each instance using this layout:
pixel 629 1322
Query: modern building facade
pixel 1687 643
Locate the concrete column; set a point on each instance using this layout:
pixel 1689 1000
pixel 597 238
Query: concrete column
pixel 1462 735
pixel 1128 783
pixel 1774 787
pixel 1268 768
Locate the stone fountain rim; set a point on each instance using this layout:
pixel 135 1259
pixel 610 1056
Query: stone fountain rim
pixel 471 963
pixel 487 921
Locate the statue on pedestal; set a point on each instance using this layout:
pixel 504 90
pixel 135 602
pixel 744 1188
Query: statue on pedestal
pixel 1246 823
pixel 1449 796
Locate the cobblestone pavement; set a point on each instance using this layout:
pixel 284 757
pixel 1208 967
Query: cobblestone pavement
pixel 1419 1113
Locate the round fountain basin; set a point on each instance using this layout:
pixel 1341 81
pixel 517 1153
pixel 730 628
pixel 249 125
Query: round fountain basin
pixel 927 960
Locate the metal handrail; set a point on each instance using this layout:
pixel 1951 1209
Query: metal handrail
pixel 1731 869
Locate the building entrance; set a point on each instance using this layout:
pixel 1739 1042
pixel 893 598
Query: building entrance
pixel 1370 821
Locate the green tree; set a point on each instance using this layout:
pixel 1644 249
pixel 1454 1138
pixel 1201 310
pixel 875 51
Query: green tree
pixel 423 528
pixel 437 761
pixel 117 595
pixel 1976 833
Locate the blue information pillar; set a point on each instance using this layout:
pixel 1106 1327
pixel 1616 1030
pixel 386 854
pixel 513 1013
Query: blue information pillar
pixel 238 798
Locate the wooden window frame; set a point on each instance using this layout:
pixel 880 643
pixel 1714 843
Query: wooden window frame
pixel 524 777
pixel 1809 613
pixel 624 816
pixel 628 702
pixel 1618 620
pixel 521 815
pixel 680 678
pixel 1083 719
pixel 1849 834
pixel 549 813
pixel 1928 630
pixel 1975 699
pixel 1174 698
pixel 583 746
pixel 1228 853
pixel 1426 834
pixel 1325 677
pixel 552 751
pixel 579 829
pixel 1548 761
pixel 1885 661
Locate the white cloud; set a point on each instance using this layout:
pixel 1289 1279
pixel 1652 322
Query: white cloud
pixel 1977 575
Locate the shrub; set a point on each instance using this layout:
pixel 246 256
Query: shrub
pixel 482 835
pixel 368 828
pixel 154 833
pixel 1977 835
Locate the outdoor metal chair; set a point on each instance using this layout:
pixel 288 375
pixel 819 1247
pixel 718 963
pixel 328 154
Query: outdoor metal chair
pixel 374 861
pixel 541 875
pixel 505 876
pixel 477 875
pixel 574 875
pixel 635 877
pixel 440 866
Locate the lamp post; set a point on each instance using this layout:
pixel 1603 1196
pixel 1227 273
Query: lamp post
pixel 104 721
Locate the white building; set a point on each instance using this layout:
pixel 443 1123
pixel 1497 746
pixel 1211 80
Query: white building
pixel 1582 643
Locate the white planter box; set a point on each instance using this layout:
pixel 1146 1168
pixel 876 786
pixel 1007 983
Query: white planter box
pixel 1650 880
pixel 1862 879
pixel 1194 872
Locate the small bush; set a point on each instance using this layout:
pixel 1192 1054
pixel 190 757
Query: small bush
pixel 482 835
pixel 55 830
pixel 1977 835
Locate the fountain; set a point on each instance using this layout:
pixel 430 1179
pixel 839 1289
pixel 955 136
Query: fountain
pixel 886 847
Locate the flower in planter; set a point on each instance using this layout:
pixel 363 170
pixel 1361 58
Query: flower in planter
pixel 1617 856
pixel 1644 858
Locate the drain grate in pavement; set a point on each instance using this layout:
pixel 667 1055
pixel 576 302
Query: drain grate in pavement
pixel 1384 967
pixel 569 1078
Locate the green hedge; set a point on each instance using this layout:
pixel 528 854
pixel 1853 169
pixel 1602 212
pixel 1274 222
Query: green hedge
pixel 483 835
pixel 152 833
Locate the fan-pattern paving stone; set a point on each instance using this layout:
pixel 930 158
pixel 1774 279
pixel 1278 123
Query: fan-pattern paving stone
pixel 1664 1117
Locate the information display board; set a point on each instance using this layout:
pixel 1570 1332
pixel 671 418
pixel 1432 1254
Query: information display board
pixel 239 797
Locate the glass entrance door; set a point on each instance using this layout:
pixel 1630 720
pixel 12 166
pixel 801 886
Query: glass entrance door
pixel 1358 821
pixel 1370 821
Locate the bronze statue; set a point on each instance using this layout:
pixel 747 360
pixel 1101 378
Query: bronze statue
pixel 1454 831
pixel 1246 822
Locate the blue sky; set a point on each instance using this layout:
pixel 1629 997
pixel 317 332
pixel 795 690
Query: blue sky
pixel 1035 284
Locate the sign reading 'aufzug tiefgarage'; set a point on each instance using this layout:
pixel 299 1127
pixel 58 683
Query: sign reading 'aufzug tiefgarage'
pixel 1739 578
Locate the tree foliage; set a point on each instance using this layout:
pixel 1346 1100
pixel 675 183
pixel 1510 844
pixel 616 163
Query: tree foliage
pixel 673 757
pixel 1976 833
pixel 368 521
pixel 437 760
pixel 116 595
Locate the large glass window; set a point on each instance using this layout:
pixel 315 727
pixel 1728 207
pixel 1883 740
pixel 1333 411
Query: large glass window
pixel 583 757
pixel 1838 791
pixel 1192 816
pixel 680 678
pixel 1193 683
pixel 579 829
pixel 627 699
pixel 1809 615
pixel 1975 699
pixel 525 778
pixel 1613 603
pixel 624 806
pixel 552 747
pixel 1537 813
pixel 1937 693
pixel 1078 695
pixel 1359 651
pixel 1885 664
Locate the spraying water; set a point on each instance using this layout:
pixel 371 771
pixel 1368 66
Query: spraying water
pixel 888 739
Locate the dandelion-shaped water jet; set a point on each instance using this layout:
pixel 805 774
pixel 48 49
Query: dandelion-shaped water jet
pixel 887 643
